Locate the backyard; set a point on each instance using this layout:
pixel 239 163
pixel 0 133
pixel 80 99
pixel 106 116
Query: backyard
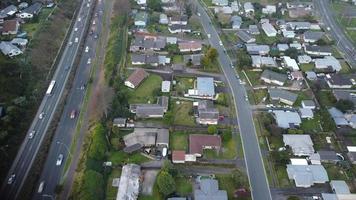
pixel 179 140
pixel 145 93
pixel 182 110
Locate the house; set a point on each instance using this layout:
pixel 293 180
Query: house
pixel 345 95
pixel 256 49
pixel 235 6
pixel 193 59
pixel 179 19
pixel 297 75
pixel 314 159
pixel 22 5
pixel 299 25
pixel 290 63
pixel 144 42
pixel 179 28
pixel 129 185
pixel 282 47
pixel 245 37
pixel 269 30
pixel 10 27
pixel 295 45
pixel 311 75
pixel 318 50
pixel 166 86
pixel 262 61
pixel 9 11
pixel 306 113
pixel 272 77
pixel 301 145
pixel 31 11
pixel 304 59
pixel 312 36
pixel 283 96
pixel 190 46
pixel 338 81
pixel 141 2
pixel 310 104
pixel 151 110
pixel 19 42
pixel 227 10
pixel 249 9
pixel 269 9
pixel 163 19
pixel 236 22
pixel 178 157
pixel 171 40
pixel 338 117
pixel 329 63
pixel 288 33
pixel 253 29
pixel 328 156
pixel 206 113
pixel 220 2
pixel 209 190
pixel 153 60
pixel 199 142
pixel 307 175
pixel 141 19
pixel 339 187
pixel 204 88
pixel 286 119
pixel 147 137
pixel 135 79
pixel 119 122
pixel 9 49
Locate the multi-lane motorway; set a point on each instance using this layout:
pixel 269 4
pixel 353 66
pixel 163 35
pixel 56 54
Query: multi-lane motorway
pixel 342 41
pixel 30 147
pixel 253 158
pixel 52 174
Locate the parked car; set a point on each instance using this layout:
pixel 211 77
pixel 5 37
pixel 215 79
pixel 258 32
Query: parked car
pixel 59 160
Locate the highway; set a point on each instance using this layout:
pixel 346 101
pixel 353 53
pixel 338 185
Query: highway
pixel 253 158
pixel 52 173
pixel 30 147
pixel 342 41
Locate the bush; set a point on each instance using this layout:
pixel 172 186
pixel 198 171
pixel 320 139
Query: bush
pixel 166 183
pixel 93 186
pixel 98 146
pixel 344 105
pixel 212 129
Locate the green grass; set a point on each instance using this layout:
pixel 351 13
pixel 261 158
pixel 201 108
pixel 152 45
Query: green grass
pixel 344 22
pixel 254 77
pixel 282 176
pixel 183 84
pixel 155 194
pixel 120 157
pixel 179 140
pixel 307 67
pixel 110 190
pixel 177 59
pixel 335 172
pixel 228 150
pixel 183 186
pixel 311 125
pixel 181 113
pixel 326 98
pixel 258 95
pixel 264 39
pixel 33 26
pixel 302 96
pixel 345 68
pixel 145 92
pixel 226 182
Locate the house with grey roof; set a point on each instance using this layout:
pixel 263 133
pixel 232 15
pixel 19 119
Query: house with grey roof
pixel 151 110
pixel 286 119
pixel 236 22
pixel 207 113
pixel 193 59
pixel 9 11
pixel 307 175
pixel 328 156
pixel 148 137
pixel 204 88
pixel 338 117
pixel 245 36
pixel 253 29
pixel 345 95
pixel 269 30
pixel 328 63
pixel 263 61
pixel 312 36
pixel 308 104
pixel 306 113
pixel 209 190
pixel 257 49
pixel 282 47
pixel 31 11
pixel 249 9
pixel 220 2
pixel 299 25
pixel 9 49
pixel 301 145
pixel 338 81
pixel 304 59
pixel 339 187
pixel 19 42
pixel 141 19
pixel 272 77
pixel 129 185
pixel 315 50
pixel 119 122
pixel 163 19
pixel 282 96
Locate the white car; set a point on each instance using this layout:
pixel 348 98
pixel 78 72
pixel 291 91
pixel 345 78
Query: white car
pixel 40 188
pixel 220 42
pixel 76 40
pixel 198 14
pixel 88 5
pixel 76 29
pixel 11 179
pixel 87 49
pixel 209 35
pixel 32 134
pixel 79 19
pixel 41 116
pixel 59 160
pixel 94 22
pixel 89 61
pixel 70 43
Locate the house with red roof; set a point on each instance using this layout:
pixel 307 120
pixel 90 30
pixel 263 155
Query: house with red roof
pixel 135 79
pixel 199 142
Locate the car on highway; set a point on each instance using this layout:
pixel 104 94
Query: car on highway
pixel 79 19
pixel 89 61
pixel 246 97
pixel 86 49
pixel 220 42
pixel 32 134
pixel 40 188
pixel 67 68
pixel 70 43
pixel 41 116
pixel 209 36
pixel 75 29
pixel 11 179
pixel 76 40
pixel 95 36
pixel 73 114
pixel 199 14
pixel 59 160
pixel 88 5
pixel 94 22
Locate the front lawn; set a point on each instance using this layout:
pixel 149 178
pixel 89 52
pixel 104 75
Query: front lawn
pixel 111 191
pixel 183 186
pixel 228 150
pixel 326 98
pixel 182 110
pixel 183 84
pixel 179 140
pixel 254 77
pixel 227 182
pixel 145 93
pixel 177 59
pixel 312 125
pixel 120 157
pixel 307 67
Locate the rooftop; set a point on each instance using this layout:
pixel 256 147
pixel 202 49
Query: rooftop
pixel 129 182
pixel 205 86
pixel 287 119
pixel 197 142
pixel 307 175
pixel 209 190
pixel 301 145
pixel 271 75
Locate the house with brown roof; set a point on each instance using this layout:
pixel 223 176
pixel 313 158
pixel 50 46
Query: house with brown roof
pixel 190 46
pixel 10 27
pixel 135 79
pixel 178 157
pixel 199 142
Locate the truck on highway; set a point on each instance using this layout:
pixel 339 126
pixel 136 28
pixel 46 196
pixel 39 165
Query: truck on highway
pixel 50 87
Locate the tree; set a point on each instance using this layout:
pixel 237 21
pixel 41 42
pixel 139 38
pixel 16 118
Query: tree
pixel 212 129
pixel 169 167
pixel 98 146
pixel 243 59
pixel 291 52
pixel 154 5
pixel 212 54
pixel 280 157
pixel 168 118
pixel 188 10
pixel 166 184
pixel 93 184
pixel 344 105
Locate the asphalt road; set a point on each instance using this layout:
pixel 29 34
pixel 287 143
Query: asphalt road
pixel 30 147
pixel 342 41
pixel 52 173
pixel 256 172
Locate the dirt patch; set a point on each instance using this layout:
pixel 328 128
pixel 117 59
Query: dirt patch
pixel 149 178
